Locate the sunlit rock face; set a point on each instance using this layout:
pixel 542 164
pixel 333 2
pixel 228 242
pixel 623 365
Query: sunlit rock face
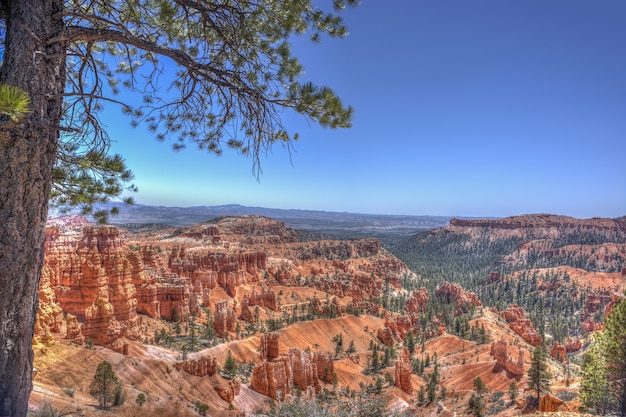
pixel 204 366
pixel 276 374
pixel 500 351
pixel 90 274
pixel 523 326
pixel 403 371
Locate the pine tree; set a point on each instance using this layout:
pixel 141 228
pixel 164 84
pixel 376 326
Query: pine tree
pixel 104 384
pixel 538 377
pixel 613 345
pixel 230 366
pixel 513 390
pixel 594 387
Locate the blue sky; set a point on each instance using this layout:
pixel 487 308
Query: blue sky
pixel 462 108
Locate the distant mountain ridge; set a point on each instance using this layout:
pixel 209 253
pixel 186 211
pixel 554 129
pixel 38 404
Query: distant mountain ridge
pixel 324 222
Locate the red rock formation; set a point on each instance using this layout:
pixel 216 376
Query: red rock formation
pixel 92 278
pixel 172 298
pixel 325 365
pixel 304 368
pixel 516 317
pixel 269 346
pixel 403 371
pixel 591 326
pixel 541 221
pixel 224 318
pixel 72 332
pixel 228 390
pixel 551 404
pixel 266 298
pixel 385 336
pixel 246 314
pixel 275 375
pixel 573 344
pixel 272 379
pixel 400 325
pixel 558 352
pixel 464 300
pixel 499 350
pixel 417 302
pixel 204 366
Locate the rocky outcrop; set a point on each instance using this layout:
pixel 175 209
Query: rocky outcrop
pixel 558 352
pixel 541 221
pixel 172 298
pixel 276 375
pixel 269 346
pixel 464 300
pixel 385 335
pixel 273 379
pixel 72 330
pixel 246 314
pixel 403 371
pixel 572 344
pixel 417 302
pixel 91 275
pixel 551 404
pixel 520 324
pixel 325 365
pixel 227 391
pixel 204 366
pixel 265 298
pixel 224 318
pixel 304 369
pixel 401 325
pixel 499 350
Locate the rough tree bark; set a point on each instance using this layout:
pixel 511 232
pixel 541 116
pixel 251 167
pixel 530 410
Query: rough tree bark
pixel 27 153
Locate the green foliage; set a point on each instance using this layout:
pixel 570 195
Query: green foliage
pixel 468 259
pixel 230 74
pixel 513 391
pixel 104 385
pixel 140 399
pixel 361 406
pixel 83 178
pixel 229 369
pixel 479 387
pixel 477 405
pixel 603 386
pixel 14 102
pixel 202 408
pixel 538 376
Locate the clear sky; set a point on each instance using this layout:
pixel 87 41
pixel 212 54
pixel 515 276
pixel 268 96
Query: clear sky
pixel 462 108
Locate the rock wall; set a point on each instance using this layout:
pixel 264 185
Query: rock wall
pixel 276 375
pixel 91 276
pixel 224 318
pixel 520 324
pixel 403 371
pixel 500 352
pixel 464 300
pixel 204 366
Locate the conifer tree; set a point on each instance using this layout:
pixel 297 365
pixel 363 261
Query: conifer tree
pixel 230 366
pixel 538 376
pixel 104 384
pixel 594 386
pixel 613 346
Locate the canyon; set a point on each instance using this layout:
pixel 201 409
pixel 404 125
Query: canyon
pixel 301 316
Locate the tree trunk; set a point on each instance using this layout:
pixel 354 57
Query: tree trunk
pixel 27 153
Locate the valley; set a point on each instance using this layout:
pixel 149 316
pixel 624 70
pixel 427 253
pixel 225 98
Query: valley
pixel 414 318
